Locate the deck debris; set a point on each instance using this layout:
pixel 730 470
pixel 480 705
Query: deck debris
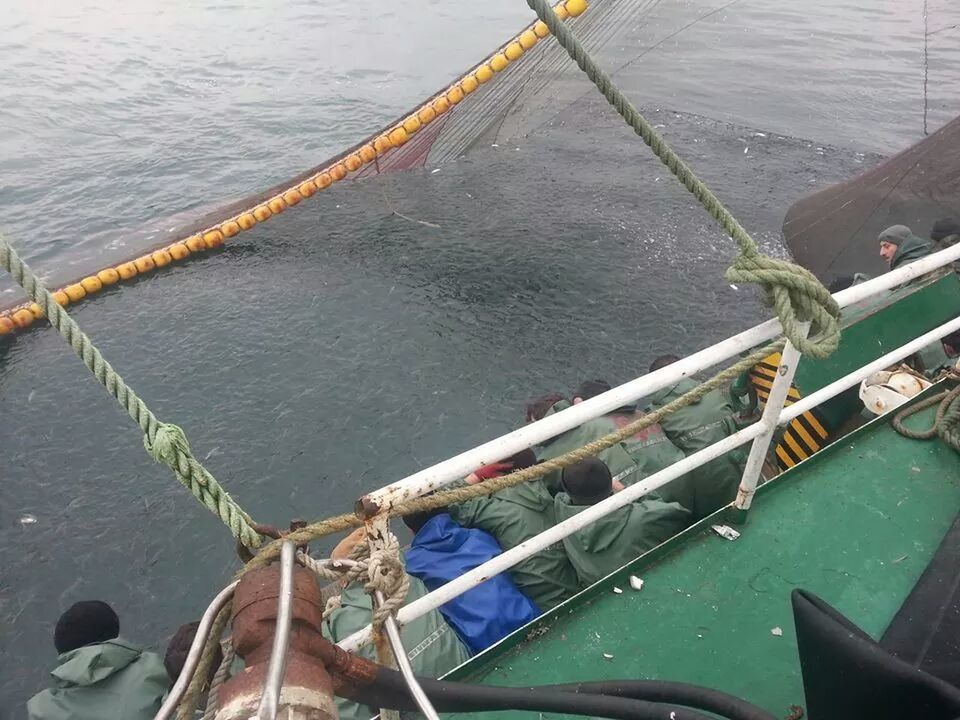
pixel 636 583
pixel 796 712
pixel 618 591
pixel 725 531
pixel 28 519
pixel 607 656
pixel 900 559
pixel 778 631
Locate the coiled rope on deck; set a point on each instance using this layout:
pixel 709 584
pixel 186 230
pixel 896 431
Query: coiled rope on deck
pixel 164 442
pixel 794 292
pixel 946 424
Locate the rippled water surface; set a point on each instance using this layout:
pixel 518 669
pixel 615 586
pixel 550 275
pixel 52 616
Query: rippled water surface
pixel 341 345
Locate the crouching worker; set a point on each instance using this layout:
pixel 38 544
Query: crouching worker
pixel 618 538
pixel 176 657
pixel 700 424
pixel 432 646
pixel 513 516
pixel 441 551
pixel 99 676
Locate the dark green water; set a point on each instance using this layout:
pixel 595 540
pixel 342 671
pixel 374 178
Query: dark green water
pixel 339 347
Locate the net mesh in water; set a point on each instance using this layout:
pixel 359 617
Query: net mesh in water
pixel 834 232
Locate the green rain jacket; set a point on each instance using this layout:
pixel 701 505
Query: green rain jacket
pixel 913 248
pixel 432 646
pixel 513 516
pixel 932 357
pixel 621 464
pixel 650 449
pixel 711 486
pixel 624 535
pixel 108 681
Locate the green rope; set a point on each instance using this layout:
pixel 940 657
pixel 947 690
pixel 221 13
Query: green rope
pixel 456 495
pixel 164 442
pixel 794 292
pixel 946 424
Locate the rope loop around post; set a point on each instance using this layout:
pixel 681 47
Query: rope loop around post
pixel 796 296
pixel 794 291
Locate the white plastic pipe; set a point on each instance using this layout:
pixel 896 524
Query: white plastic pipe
pixel 508 559
pixel 436 476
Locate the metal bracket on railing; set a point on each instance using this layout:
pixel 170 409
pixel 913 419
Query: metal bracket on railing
pixel 789 359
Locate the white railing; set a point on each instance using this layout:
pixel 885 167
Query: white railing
pixel 760 432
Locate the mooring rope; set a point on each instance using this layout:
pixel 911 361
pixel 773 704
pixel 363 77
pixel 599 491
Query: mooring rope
pixel 794 292
pixel 164 442
pixel 946 424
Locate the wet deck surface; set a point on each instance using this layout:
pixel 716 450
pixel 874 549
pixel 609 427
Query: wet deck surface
pixel 856 525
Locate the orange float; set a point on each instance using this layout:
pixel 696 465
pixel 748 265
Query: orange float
pixel 108 276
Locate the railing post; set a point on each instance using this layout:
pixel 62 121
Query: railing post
pixel 789 359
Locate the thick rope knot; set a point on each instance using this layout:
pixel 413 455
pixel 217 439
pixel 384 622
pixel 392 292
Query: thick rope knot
pixel 386 573
pixel 168 446
pixel 797 296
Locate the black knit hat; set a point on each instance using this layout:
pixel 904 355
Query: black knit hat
pixel 85 623
pixel 588 481
pixel 591 388
pixel 944 227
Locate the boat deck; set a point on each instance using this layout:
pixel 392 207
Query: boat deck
pixel 856 524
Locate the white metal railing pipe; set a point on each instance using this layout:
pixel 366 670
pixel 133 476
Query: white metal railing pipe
pixel 442 473
pixel 509 558
pixel 895 278
pixel 881 363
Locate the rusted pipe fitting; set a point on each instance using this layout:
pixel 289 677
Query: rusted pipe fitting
pixel 307 692
pixel 365 508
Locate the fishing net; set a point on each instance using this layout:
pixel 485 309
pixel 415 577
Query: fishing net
pixel 834 232
pixel 536 89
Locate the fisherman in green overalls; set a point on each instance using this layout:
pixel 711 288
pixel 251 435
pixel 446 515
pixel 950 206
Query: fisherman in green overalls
pixel 100 676
pixel 650 449
pixel 514 516
pixel 611 542
pixel 692 428
pixel 432 646
pixel 899 247
pixel 617 458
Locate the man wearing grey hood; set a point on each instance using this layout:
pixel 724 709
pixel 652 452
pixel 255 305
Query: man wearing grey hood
pixel 899 246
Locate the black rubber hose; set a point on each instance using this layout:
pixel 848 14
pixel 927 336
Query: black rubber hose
pixel 390 690
pixel 664 691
